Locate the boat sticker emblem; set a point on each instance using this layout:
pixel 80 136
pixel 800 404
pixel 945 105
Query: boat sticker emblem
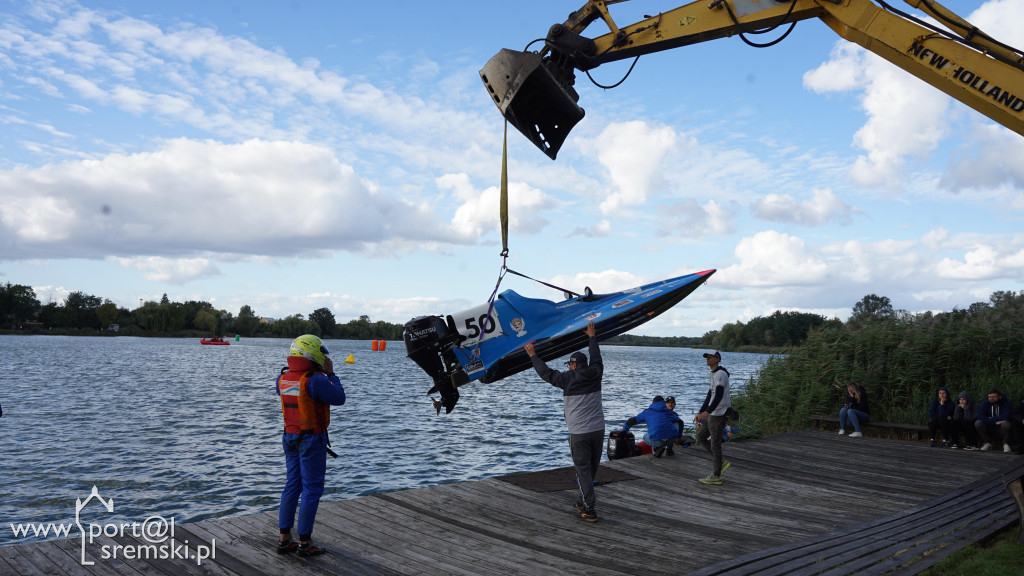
pixel 622 303
pixel 518 325
pixel 474 367
pixel 649 294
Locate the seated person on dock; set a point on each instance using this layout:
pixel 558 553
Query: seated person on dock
pixel 855 411
pixel 663 426
pixel 1018 427
pixel 963 422
pixel 940 416
pixel 994 422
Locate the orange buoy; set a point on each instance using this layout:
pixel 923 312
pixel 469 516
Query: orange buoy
pixel 374 345
pixel 383 345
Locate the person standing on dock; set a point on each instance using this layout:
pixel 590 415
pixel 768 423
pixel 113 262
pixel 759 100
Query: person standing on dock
pixel 584 415
pixel 308 387
pixel 712 413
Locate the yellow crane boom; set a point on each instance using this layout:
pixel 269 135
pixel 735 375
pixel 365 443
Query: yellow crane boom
pixel 534 90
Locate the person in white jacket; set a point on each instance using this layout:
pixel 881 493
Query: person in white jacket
pixel 712 414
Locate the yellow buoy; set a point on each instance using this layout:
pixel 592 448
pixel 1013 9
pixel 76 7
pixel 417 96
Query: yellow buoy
pixel 350 360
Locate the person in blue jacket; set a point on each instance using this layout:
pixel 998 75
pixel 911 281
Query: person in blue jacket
pixel 663 426
pixel 993 423
pixel 940 416
pixel 308 387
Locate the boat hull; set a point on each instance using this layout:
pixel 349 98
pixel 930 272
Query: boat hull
pixel 486 342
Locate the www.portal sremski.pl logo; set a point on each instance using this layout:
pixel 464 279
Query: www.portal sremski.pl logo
pixel 156 534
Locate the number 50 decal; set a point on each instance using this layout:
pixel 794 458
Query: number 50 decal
pixel 471 323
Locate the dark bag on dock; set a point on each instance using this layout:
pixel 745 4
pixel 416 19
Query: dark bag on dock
pixel 621 445
pixel 732 414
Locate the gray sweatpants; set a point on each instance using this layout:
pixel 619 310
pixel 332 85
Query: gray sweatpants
pixel 586 452
pixel 712 430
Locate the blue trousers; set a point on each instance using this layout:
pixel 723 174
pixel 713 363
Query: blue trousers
pixel 306 464
pixel 660 442
pixel 849 416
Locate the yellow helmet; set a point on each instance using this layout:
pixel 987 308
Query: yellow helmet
pixel 309 347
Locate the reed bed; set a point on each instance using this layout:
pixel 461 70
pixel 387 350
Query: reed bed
pixel 900 359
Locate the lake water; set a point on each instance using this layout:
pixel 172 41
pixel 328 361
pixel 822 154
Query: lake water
pixel 172 428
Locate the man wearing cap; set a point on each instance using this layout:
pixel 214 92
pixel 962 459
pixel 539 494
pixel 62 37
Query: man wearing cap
pixel 584 415
pixel 662 426
pixel 712 413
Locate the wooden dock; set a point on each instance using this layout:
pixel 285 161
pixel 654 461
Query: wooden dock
pixel 804 498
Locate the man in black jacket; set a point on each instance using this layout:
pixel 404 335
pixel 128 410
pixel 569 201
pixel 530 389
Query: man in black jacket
pixel 584 414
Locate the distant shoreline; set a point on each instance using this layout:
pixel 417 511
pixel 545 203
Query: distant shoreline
pixel 623 340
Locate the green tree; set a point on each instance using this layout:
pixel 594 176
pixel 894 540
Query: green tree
pixel 107 314
pixel 247 322
pixel 17 303
pixel 206 320
pixel 80 310
pixel 872 307
pixel 730 337
pixel 325 319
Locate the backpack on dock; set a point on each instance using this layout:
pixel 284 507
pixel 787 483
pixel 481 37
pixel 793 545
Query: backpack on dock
pixel 621 445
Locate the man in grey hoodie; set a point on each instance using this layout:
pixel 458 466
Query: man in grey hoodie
pixel 584 414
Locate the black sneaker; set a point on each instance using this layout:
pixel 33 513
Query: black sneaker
pixel 659 451
pixel 306 550
pixel 287 547
pixel 589 515
pixel 669 452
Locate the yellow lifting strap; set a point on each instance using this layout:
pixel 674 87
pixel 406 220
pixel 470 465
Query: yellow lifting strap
pixel 503 203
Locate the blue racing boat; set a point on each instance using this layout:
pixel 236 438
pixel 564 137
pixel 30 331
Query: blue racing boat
pixel 485 343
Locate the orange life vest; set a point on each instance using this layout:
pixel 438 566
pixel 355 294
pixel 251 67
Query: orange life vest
pixel 301 412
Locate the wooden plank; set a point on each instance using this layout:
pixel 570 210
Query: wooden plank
pixel 72 548
pixel 340 524
pixel 337 560
pixel 450 538
pixel 816 555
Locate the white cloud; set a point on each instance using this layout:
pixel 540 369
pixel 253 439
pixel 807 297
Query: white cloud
pixel 773 258
pixel 599 282
pixel 479 215
pixel 688 219
pixel 631 152
pixel 190 197
pixel 983 262
pixel 172 271
pixel 599 230
pixel 901 111
pixel 823 207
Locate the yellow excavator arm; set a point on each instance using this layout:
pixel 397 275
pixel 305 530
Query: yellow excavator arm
pixel 534 90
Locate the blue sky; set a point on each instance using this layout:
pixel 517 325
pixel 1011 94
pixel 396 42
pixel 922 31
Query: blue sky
pixel 293 155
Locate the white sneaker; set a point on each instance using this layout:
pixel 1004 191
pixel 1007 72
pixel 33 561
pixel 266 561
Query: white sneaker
pixel 986 446
pixel 855 434
pixel 1006 448
pixel 841 431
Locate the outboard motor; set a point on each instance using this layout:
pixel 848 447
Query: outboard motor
pixel 429 341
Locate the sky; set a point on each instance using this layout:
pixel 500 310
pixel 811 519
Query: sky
pixel 293 155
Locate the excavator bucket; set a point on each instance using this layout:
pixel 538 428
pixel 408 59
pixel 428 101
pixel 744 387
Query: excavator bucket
pixel 531 98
